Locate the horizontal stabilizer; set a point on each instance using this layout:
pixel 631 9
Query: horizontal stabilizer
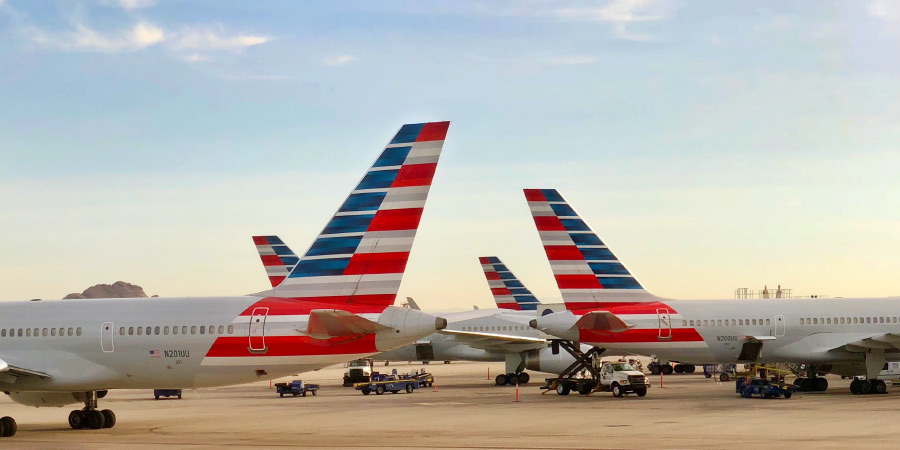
pixel 329 323
pixel 602 321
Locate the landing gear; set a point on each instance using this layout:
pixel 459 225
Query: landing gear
pixel 684 368
pixel 512 378
pixel 8 427
pixel 90 417
pixel 866 387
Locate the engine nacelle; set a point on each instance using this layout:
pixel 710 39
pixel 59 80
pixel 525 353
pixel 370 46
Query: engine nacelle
pixel 46 399
pixel 544 360
pixel 405 326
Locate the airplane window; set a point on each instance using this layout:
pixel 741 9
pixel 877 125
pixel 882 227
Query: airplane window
pixel 691 323
pixel 166 330
pixel 147 332
pixel 881 320
pixel 37 332
pixel 184 330
pixel 868 320
pixel 121 331
pixel 70 331
pixel 212 329
pixel 754 321
pixel 802 321
pixel 221 329
pixel 20 332
pixel 78 331
pixel 3 332
pixel 194 329
pixel 829 321
pixel 28 332
pixel 140 331
pixel 684 323
pixel 230 329
pixel 894 320
pixel 815 321
pixel 202 329
pixel 175 330
pixel 705 323
pixel 156 330
pixel 842 320
pixel 45 332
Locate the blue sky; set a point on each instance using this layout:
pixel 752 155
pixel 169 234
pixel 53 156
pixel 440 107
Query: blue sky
pixel 713 145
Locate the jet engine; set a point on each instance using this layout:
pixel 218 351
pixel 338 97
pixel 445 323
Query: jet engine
pixel 544 360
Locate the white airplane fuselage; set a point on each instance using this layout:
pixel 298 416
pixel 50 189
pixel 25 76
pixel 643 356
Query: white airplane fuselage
pixel 138 343
pixel 715 330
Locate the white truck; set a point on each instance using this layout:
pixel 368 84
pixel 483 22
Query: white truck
pixel 616 377
pixel 358 371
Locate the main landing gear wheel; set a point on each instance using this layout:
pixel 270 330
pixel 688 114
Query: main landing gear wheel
pixel 654 370
pixel 91 417
pixel 679 368
pixel 8 427
pixel 524 378
pixel 879 387
pixel 690 368
pixel 500 380
pixel 804 384
pixel 865 387
pixel 820 384
pixel 666 369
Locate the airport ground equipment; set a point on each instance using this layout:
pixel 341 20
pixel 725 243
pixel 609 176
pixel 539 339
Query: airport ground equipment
pixel 762 388
pixel 358 371
pixel 656 368
pixel 295 388
pixel 157 393
pixel 584 376
pixel 379 384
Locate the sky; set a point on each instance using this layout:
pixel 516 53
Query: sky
pixel 711 144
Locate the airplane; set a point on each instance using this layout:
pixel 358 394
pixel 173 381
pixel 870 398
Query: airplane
pixel 488 335
pixel 334 305
pixel 607 307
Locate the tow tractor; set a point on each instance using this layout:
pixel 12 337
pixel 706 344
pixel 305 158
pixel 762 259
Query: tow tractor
pixel 295 388
pixel 763 388
pixel 379 384
pixel 583 376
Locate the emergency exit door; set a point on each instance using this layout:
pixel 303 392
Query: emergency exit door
pixel 665 324
pixel 779 326
pixel 106 337
pixel 258 329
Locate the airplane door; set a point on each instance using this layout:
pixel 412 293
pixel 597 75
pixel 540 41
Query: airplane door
pixel 779 326
pixel 258 329
pixel 106 337
pixel 665 325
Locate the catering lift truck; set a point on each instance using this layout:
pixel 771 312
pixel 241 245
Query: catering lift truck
pixel 585 377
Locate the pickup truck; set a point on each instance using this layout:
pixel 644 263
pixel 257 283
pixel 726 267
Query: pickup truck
pixel 358 371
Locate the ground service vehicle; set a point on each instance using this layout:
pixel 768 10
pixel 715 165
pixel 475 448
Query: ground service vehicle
pixel 584 377
pixel 762 388
pixel 157 393
pixel 295 388
pixel 379 384
pixel 358 371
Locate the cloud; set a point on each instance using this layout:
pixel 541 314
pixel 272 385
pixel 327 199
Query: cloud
pixel 209 38
pixel 621 14
pixel 84 38
pixel 340 60
pixel 130 4
pixel 196 57
pixel 886 10
pixel 570 60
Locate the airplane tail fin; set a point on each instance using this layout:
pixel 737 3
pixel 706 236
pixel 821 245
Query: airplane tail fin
pixel 508 291
pixel 277 258
pixel 586 270
pixel 361 254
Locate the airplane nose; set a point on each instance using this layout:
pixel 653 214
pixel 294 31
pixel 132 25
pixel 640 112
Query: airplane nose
pixel 532 323
pixel 440 323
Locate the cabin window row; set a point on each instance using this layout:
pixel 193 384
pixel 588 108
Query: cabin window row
pixel 725 322
pixel 175 330
pixel 845 320
pixel 497 328
pixel 40 332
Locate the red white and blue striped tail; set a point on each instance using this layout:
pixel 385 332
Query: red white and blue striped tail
pixel 277 258
pixel 587 272
pixel 508 291
pixel 361 254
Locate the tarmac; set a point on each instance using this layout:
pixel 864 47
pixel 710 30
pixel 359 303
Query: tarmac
pixel 467 411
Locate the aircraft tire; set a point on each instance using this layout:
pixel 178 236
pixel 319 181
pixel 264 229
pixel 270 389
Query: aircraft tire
pixel 95 419
pixel 666 369
pixel 654 370
pixel 679 368
pixel 77 419
pixel 805 384
pixel 3 430
pixel 524 378
pixel 500 380
pixel 854 386
pixel 820 384
pixel 109 418
pixel 865 387
pixel 9 426
pixel 879 387
pixel 690 368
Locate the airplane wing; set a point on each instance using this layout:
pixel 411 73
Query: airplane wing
pixel 889 342
pixel 329 323
pixel 494 341
pixel 9 374
pixel 602 321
